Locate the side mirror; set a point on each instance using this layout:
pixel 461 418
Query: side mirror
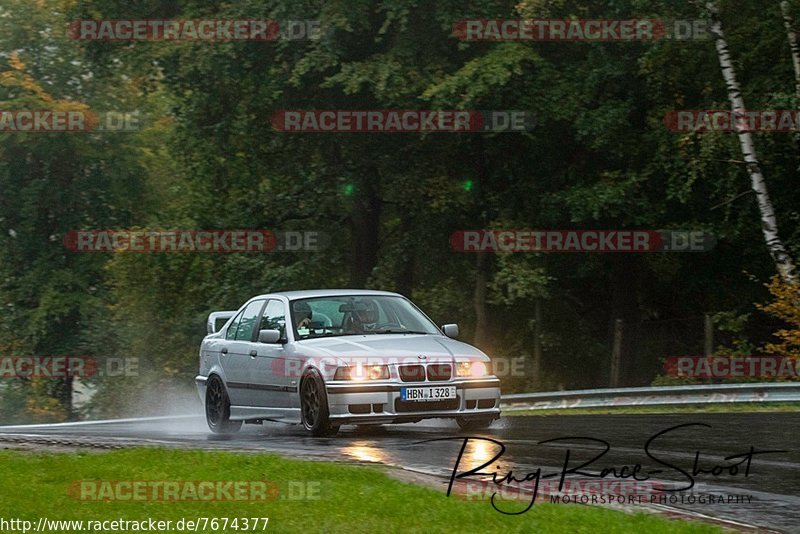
pixel 450 330
pixel 269 336
pixel 214 318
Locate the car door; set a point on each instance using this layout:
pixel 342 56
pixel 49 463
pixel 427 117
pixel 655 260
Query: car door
pixel 267 369
pixel 221 349
pixel 236 356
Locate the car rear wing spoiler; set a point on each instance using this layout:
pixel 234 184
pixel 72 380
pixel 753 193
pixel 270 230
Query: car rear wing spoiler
pixel 211 326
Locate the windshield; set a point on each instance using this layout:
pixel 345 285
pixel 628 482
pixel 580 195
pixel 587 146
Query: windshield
pixel 357 315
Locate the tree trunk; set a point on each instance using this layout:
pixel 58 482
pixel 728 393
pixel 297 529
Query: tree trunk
pixel 404 281
pixel 481 317
pixel 66 397
pixel 483 261
pixel 769 224
pixel 708 335
pixel 624 285
pixel 794 48
pixel 616 353
pixel 365 231
pixel 537 343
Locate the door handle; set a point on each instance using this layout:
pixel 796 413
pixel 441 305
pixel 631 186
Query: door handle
pixel 224 351
pixel 253 353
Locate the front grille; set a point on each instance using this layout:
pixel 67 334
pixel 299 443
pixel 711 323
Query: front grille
pixel 439 371
pixel 412 406
pixel 412 373
pixel 486 403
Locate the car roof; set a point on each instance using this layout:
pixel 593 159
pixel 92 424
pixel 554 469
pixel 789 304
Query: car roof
pixel 310 293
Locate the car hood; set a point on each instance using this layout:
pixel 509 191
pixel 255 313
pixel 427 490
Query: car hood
pixel 390 345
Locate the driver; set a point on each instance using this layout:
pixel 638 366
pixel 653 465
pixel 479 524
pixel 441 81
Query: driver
pixel 366 317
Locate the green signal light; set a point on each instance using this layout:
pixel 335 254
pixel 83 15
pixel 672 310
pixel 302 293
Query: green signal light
pixel 348 190
pixel 468 185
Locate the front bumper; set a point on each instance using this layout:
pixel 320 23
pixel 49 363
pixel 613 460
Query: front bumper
pixel 380 402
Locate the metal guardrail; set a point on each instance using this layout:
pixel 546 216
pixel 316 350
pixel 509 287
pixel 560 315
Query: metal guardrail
pixel 654 396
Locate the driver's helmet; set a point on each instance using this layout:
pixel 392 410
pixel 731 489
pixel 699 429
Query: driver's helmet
pixel 301 311
pixel 369 314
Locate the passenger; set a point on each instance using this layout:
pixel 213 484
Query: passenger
pixel 302 314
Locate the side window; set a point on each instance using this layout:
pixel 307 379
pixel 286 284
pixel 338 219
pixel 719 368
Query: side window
pixel 231 332
pixel 274 317
pixel 249 320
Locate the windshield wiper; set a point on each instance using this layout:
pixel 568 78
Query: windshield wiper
pixel 397 331
pixel 314 336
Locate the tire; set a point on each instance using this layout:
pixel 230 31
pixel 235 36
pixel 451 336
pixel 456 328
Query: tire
pixel 314 405
pixel 218 409
pixel 474 422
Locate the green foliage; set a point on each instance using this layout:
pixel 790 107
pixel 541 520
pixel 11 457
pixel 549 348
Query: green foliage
pixel 206 157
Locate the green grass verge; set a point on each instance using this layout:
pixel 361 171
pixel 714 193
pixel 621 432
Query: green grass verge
pixel 742 407
pixel 350 498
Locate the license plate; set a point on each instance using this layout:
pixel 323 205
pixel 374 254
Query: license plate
pixel 428 394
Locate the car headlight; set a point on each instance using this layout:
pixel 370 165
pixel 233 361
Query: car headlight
pixel 472 369
pixel 358 373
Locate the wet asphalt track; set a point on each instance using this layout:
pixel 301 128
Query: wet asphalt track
pixel 773 482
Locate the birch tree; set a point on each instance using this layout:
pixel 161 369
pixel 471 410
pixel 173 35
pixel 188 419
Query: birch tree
pixel 769 223
pixel 794 47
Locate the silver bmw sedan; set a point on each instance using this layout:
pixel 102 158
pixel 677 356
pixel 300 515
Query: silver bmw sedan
pixel 327 358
